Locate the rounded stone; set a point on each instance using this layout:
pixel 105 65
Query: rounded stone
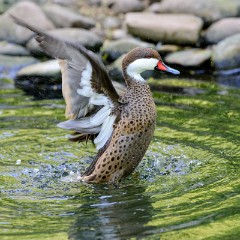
pixel 45 69
pixel 29 11
pixel 190 57
pixel 85 37
pixel 12 49
pixel 125 6
pixel 10 65
pixel 118 47
pixel 221 29
pixel 65 17
pixel 180 29
pixel 226 54
pixel 209 11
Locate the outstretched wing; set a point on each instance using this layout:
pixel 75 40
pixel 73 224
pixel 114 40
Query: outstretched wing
pixel 88 91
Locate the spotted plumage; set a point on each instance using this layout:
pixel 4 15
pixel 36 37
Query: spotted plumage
pixel 120 121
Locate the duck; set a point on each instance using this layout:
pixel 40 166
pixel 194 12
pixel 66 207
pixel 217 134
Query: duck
pixel 121 125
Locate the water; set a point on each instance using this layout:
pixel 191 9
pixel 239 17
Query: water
pixel 187 186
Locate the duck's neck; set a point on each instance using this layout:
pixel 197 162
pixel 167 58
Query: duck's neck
pixel 133 76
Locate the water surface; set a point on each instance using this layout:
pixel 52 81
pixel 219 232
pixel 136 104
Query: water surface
pixel 187 186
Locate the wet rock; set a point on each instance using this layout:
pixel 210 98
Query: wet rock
pixel 29 11
pixel 167 28
pixel 115 69
pixel 10 65
pixel 125 6
pixel 42 80
pixel 49 69
pixel 95 2
pixel 115 49
pixel 117 34
pixel 112 23
pixel 65 17
pixel 189 58
pixel 13 49
pixel 4 5
pixel 73 3
pixel 154 7
pixel 210 11
pixel 226 54
pixel 222 29
pixel 168 48
pixel 87 38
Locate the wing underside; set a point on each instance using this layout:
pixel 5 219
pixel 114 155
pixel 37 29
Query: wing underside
pixel 87 89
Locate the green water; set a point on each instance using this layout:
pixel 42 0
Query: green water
pixel 187 186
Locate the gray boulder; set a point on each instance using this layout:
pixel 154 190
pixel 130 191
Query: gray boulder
pixel 42 80
pixel 226 54
pixel 65 17
pixel 6 4
pixel 209 10
pixel 115 69
pixel 10 65
pixel 189 58
pixel 112 22
pixel 118 47
pixel 117 34
pixel 13 49
pixel 125 6
pixel 87 38
pixel 28 11
pixel 49 69
pixel 167 28
pixel 221 29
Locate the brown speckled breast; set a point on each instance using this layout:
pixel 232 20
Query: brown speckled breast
pixel 130 139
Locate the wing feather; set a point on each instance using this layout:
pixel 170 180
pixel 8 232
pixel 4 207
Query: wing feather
pixel 87 89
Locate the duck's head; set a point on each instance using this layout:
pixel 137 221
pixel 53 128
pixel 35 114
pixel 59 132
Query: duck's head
pixel 141 59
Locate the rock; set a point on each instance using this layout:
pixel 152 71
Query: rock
pixel 73 3
pixel 189 58
pixel 13 49
pixel 49 69
pixel 28 11
pixel 210 11
pixel 168 28
pixel 10 65
pixel 87 38
pixel 226 54
pixel 4 5
pixel 115 69
pixel 169 48
pixel 117 34
pixel 154 7
pixel 222 29
pixel 115 49
pixel 95 2
pixel 125 6
pixel 64 17
pixel 42 80
pixel 111 23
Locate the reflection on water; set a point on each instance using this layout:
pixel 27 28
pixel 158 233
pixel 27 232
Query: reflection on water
pixel 122 213
pixel 187 186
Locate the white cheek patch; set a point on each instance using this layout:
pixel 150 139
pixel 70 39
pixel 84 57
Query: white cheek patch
pixel 135 68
